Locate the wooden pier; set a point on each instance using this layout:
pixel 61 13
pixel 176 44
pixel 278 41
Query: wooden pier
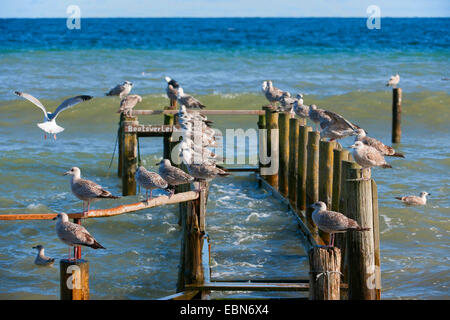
pixel 307 170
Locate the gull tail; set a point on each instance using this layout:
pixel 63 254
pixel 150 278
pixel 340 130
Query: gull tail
pixel 397 154
pixel 398 198
pixel 96 245
pixel 50 127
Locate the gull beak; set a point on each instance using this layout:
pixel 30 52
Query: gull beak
pixel 33 247
pixel 54 218
pixel 353 146
pixel 66 173
pixel 157 164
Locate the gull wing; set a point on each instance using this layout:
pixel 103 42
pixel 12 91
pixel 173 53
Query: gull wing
pixel 69 103
pixel 33 100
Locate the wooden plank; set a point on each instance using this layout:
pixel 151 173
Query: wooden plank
pixel 185 295
pixel 283 155
pixel 294 131
pixel 245 286
pixel 101 213
pixel 205 112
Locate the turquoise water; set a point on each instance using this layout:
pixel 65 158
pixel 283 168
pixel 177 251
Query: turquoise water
pixel 337 63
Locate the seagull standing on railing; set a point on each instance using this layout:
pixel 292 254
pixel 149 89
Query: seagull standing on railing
pixel 87 190
pixel 128 103
pixel 74 234
pixel 173 175
pixel 49 125
pixel 121 90
pixel 150 181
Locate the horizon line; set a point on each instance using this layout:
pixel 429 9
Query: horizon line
pixel 232 17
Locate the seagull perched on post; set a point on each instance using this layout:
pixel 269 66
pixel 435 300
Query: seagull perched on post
pixel 120 90
pixel 368 157
pixel 41 259
pixel 393 81
pixel 86 190
pixel 272 93
pixel 127 104
pixel 380 146
pixel 333 222
pixel 74 234
pixel 49 125
pixel 172 88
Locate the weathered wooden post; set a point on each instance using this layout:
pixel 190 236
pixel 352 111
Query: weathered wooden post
pixel 294 130
pixel 272 146
pixel 338 157
pixel 283 170
pixel 129 157
pixel 193 224
pixel 74 279
pixel 376 239
pixel 312 173
pixel 168 120
pixel 120 134
pixel 325 177
pixel 302 166
pixel 360 245
pixel 396 114
pixel 324 274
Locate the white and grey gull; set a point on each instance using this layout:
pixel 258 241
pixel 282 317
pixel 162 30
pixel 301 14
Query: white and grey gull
pixel 415 200
pixel 128 103
pixel 41 259
pixel 74 234
pixel 86 190
pixel 150 181
pixel 49 125
pixel 380 146
pixel 121 90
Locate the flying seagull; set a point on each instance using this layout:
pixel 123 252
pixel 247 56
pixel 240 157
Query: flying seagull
pixel 120 90
pixel 393 81
pixel 86 190
pixel 49 125
pixel 150 181
pixel 74 234
pixel 333 222
pixel 415 200
pixel 127 104
pixel 41 259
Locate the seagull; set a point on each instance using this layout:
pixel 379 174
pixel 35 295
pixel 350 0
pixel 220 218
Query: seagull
pixel 127 104
pixel 49 125
pixel 86 190
pixel 172 88
pixel 120 90
pixel 287 102
pixel 150 180
pixel 272 94
pixel 333 222
pixel 393 81
pixel 380 146
pixel 300 109
pixel 187 100
pixel 41 259
pixel 201 171
pixel 368 157
pixel 74 234
pixel 173 175
pixel 415 200
pixel 335 126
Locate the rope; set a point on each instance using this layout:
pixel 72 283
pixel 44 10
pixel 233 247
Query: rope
pixel 326 273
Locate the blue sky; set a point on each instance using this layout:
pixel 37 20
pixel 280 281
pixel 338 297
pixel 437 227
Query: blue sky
pixel 224 8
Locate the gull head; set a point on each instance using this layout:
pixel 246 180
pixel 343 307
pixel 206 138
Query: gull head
pixel 164 163
pixel 360 133
pixel 61 217
pixel 286 94
pixel 74 171
pixel 424 194
pixel 357 145
pixel 127 84
pixel 168 79
pixel 264 86
pixel 319 205
pixel 38 247
pixel 313 107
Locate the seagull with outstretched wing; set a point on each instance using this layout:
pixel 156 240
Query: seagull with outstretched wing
pixel 49 125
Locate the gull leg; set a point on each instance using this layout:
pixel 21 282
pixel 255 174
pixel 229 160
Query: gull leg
pixel 54 136
pixel 45 137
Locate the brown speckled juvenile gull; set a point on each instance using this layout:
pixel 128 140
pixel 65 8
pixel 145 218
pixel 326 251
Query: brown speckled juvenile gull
pixel 415 200
pixel 127 104
pixel 333 222
pixel 333 125
pixel 120 90
pixel 150 180
pixel 86 190
pixel 380 146
pixel 173 175
pixel 188 101
pixel 172 88
pixel 41 259
pixel 74 234
pixel 368 157
pixel 301 110
pixel 272 94
pixel 393 81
